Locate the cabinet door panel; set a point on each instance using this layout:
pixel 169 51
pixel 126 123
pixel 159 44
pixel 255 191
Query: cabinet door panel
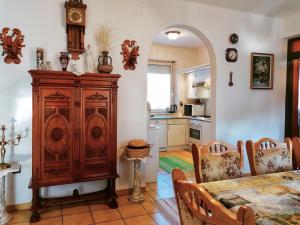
pixel 95 151
pixel 176 135
pixel 56 134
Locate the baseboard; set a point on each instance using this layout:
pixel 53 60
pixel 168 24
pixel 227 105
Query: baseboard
pixel 18 207
pixel 27 205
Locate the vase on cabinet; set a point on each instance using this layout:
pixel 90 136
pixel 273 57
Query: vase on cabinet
pixel 64 60
pixel 104 63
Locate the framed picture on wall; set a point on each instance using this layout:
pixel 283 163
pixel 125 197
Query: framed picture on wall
pixel 262 71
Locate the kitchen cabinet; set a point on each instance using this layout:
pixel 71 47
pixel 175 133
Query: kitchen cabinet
pixel 176 132
pixel 191 89
pixel 152 163
pixel 198 82
pixel 207 132
pixel 163 132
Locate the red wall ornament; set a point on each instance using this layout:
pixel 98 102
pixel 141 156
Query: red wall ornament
pixel 12 45
pixel 130 53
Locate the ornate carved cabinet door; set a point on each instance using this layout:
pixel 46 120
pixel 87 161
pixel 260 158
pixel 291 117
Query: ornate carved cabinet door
pixel 56 135
pixel 95 151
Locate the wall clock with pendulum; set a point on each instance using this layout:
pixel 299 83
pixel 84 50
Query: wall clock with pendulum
pixel 75 22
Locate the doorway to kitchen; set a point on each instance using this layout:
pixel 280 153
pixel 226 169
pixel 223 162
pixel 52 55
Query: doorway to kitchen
pixel 181 102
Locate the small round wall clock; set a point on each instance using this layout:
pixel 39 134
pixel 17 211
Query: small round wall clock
pixel 231 55
pixel 234 38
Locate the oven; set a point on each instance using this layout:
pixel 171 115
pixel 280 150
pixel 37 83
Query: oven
pixel 195 132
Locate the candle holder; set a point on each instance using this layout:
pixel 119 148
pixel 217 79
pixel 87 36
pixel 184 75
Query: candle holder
pixel 3 143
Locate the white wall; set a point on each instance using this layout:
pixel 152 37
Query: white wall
pixel 291 26
pixel 240 113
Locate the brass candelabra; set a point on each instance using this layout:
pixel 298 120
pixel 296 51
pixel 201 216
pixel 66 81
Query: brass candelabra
pixel 3 143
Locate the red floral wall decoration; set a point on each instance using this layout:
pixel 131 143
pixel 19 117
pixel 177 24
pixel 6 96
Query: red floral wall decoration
pixel 130 53
pixel 12 44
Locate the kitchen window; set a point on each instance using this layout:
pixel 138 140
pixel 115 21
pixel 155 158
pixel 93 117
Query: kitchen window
pixel 159 85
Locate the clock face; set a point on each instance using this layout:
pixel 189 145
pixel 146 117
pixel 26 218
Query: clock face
pixel 75 15
pixel 231 55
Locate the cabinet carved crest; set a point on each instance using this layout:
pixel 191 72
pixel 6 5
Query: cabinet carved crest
pixel 96 96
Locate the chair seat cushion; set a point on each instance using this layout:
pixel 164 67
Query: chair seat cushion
pixel 273 160
pixel 221 167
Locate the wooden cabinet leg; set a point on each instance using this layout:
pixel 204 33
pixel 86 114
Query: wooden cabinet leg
pixel 111 187
pixel 35 216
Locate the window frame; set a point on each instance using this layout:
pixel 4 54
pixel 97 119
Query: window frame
pixel 171 64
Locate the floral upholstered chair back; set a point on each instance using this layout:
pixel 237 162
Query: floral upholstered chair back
pixel 269 156
pixel 217 161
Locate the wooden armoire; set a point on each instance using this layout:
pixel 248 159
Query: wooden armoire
pixel 74 134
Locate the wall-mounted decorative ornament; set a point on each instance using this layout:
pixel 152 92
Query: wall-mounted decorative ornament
pixel 64 60
pixel 231 55
pixel 130 53
pixel 12 45
pixel 230 79
pixel 39 58
pixel 234 38
pixel 75 20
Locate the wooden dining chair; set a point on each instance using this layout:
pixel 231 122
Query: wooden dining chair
pixel 296 152
pixel 197 207
pixel 269 156
pixel 217 160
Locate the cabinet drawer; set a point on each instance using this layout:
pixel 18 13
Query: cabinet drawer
pixel 177 121
pixel 156 122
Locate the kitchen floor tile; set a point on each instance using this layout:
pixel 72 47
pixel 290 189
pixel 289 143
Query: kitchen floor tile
pixel 106 215
pixel 78 219
pixel 22 223
pixel 159 219
pixel 20 216
pixel 144 220
pixel 50 221
pixel 166 193
pixel 150 207
pixel 116 222
pixel 153 195
pixel 123 200
pixel 132 210
pixel 78 208
pixel 51 212
pixel 96 205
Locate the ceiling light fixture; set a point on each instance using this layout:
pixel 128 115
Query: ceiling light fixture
pixel 172 35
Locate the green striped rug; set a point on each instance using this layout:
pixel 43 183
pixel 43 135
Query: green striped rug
pixel 172 162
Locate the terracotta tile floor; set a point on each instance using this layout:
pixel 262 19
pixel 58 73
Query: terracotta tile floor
pixel 159 207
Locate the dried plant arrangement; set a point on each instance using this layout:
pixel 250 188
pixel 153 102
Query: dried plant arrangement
pixel 104 38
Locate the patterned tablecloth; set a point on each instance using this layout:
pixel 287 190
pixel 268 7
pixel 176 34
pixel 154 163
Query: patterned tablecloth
pixel 275 198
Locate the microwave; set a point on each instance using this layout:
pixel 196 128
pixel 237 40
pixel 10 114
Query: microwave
pixel 193 110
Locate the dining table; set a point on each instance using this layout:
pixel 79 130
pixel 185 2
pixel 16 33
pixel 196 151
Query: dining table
pixel 274 198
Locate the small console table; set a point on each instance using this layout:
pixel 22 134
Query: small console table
pixel 136 195
pixel 4 216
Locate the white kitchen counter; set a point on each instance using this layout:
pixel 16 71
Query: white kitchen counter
pixel 165 117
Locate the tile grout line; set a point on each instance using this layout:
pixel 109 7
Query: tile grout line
pixel 91 213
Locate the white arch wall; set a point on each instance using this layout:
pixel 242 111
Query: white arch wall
pixel 240 113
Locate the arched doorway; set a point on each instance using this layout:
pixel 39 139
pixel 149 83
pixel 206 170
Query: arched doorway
pixel 170 80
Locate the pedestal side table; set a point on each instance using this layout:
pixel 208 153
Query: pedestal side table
pixel 136 195
pixel 4 216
